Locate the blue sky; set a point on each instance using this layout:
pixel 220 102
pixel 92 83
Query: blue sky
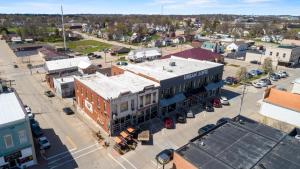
pixel 257 7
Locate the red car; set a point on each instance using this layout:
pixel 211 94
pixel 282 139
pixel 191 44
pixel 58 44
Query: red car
pixel 216 103
pixel 168 123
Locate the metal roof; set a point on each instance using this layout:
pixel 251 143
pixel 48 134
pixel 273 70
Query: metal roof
pixel 65 64
pixel 242 144
pixel 10 108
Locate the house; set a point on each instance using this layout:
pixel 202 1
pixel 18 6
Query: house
pixel 50 54
pixel 117 102
pixel 296 86
pixel 213 46
pixel 240 143
pixel 237 46
pixel 140 55
pixel 16 39
pixel 119 50
pixel 198 54
pixel 183 81
pixel 284 55
pixel 290 42
pixel 17 146
pixel 281 105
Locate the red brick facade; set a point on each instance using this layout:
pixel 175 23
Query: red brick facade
pixel 115 70
pixel 100 107
pixel 181 163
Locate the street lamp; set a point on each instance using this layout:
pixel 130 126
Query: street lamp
pixel 243 95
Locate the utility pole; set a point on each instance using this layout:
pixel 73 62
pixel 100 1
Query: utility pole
pixel 242 99
pixel 63 27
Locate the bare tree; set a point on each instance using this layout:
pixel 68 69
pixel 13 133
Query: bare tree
pixel 241 73
pixel 267 65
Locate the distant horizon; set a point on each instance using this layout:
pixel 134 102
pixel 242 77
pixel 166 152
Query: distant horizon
pixel 154 7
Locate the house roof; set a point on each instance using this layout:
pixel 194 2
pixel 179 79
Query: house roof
pixel 144 53
pixel 242 143
pixel 279 98
pixel 196 53
pixel 64 64
pixel 114 86
pixel 84 64
pixel 11 108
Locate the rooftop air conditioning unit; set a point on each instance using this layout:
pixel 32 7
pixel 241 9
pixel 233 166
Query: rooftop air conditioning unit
pixel 172 63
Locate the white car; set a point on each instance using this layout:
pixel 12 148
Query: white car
pixel 262 83
pixel 282 74
pixel 257 85
pixel 44 143
pixel 224 100
pixel 28 112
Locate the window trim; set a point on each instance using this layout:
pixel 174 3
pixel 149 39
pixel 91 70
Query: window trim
pixel 24 137
pixel 12 141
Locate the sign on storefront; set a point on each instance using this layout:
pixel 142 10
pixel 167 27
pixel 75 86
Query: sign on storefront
pixel 196 74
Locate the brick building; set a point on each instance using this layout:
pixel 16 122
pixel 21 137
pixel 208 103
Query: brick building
pixel 117 102
pixel 183 81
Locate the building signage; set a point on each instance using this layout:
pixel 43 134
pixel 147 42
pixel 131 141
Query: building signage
pixel 196 74
pixel 88 105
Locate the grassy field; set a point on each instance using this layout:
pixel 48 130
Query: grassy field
pixel 87 46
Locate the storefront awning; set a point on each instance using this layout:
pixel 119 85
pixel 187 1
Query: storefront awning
pixel 124 134
pixel 213 86
pixel 177 98
pixel 118 140
pixel 130 130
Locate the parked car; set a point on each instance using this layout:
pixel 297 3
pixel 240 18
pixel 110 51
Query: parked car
pixel 230 80
pixel 274 76
pixel 223 120
pixel 267 81
pixel 16 66
pixel 282 74
pixel 216 103
pixel 165 156
pixel 249 76
pixel 98 56
pixel 36 130
pixel 28 112
pixel 262 83
pixel 180 118
pixel 256 72
pixel 224 100
pixel 206 128
pixel 43 143
pixel 190 114
pixel 49 93
pixel 255 62
pixel 121 63
pixel 68 111
pixel 168 123
pixel 209 108
pixel 256 85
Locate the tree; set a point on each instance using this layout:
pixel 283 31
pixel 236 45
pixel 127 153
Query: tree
pixel 267 65
pixel 241 74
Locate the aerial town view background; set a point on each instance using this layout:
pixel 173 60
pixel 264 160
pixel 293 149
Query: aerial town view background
pixel 150 84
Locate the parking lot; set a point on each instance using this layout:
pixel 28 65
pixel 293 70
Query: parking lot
pixel 73 144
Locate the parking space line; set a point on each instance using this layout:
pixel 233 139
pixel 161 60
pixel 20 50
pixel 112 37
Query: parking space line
pixel 133 166
pixel 74 152
pixel 120 164
pixel 82 155
pixel 156 164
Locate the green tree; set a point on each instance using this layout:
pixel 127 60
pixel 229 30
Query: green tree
pixel 241 74
pixel 267 65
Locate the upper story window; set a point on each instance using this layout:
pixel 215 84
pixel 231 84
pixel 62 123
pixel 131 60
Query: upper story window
pixel 154 97
pixel 132 104
pixel 148 99
pixel 22 137
pixel 8 140
pixel 284 55
pixel 271 53
pixel 141 101
pixel 124 106
pixel 98 103
pixel 277 54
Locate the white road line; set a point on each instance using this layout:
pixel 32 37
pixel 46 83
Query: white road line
pixel 62 153
pixel 120 164
pixel 133 166
pixel 156 165
pixel 71 153
pixel 82 155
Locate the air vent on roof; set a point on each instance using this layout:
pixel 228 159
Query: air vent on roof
pixel 170 70
pixel 172 63
pixel 297 137
pixel 202 143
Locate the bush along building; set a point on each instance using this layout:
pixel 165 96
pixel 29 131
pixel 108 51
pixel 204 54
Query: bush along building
pixel 16 143
pixel 183 81
pixel 117 102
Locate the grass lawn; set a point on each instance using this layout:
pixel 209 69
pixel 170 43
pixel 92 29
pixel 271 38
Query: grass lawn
pixel 87 46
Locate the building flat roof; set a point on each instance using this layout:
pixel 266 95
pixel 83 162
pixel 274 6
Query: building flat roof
pixel 112 87
pixel 62 64
pixel 196 53
pixel 10 108
pixel 161 69
pixel 242 144
pixel 279 98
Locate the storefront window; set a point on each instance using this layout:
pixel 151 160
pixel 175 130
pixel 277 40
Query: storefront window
pixel 154 97
pixel 148 99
